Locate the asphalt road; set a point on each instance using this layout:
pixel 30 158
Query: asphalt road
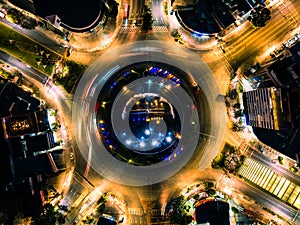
pixel 163 192
pixel 24 68
pixel 136 9
pixel 276 167
pixel 157 12
pixel 38 37
pixel 244 46
pixel 88 91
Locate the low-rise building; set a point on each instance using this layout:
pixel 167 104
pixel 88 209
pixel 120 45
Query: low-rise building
pixel 29 150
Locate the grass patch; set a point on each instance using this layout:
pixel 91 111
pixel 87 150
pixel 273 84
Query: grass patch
pixel 165 4
pixel 73 72
pixel 26 50
pixel 219 161
pixel 229 159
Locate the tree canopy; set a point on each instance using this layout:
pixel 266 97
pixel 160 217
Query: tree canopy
pixel 147 19
pixel 49 216
pixel 259 16
pixel 112 10
pixel 178 213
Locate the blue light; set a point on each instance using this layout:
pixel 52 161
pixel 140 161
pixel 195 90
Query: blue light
pixel 198 34
pixel 166 74
pixel 125 74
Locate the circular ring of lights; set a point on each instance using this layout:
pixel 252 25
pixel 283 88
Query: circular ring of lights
pixel 142 111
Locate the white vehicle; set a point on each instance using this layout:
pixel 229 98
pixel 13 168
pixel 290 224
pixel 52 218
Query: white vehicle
pixel 2 15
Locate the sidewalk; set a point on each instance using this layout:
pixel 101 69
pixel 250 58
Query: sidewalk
pixel 99 38
pixel 190 41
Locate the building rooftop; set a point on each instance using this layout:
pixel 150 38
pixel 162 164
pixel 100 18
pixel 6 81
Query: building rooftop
pixel 263 108
pixel 106 221
pixel 29 166
pixel 19 125
pixel 213 212
pixel 16 101
pixel 29 145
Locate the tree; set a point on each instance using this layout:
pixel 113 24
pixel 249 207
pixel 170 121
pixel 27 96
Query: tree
pixel 20 219
pixel 48 216
pixel 15 15
pixel 28 23
pixel 178 213
pixel 238 113
pixel 211 192
pixel 232 94
pixel 74 71
pixel 237 105
pixel 101 203
pixel 112 10
pixel 61 219
pixel 237 127
pixel 3 217
pixel 178 37
pixel 208 185
pixel 147 19
pixel 234 210
pixel 259 16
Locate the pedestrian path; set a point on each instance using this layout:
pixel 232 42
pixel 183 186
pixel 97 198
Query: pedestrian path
pixel 267 179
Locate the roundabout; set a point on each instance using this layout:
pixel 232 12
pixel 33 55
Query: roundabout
pixel 145 110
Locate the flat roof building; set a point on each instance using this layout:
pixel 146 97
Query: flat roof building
pixel 265 108
pixel 273 109
pixel 30 123
pixel 212 212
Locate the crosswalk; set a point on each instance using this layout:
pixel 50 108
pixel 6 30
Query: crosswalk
pixel 156 213
pixel 130 29
pixel 160 29
pixel 283 8
pixel 135 211
pixel 272 182
pixel 140 212
pixel 134 29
